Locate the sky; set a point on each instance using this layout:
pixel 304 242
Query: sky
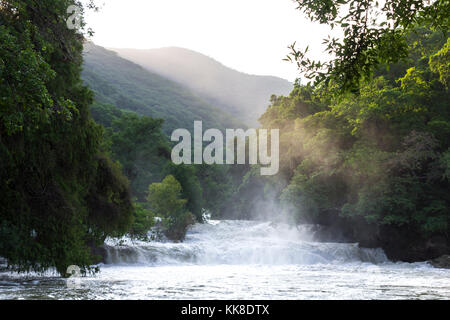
pixel 251 36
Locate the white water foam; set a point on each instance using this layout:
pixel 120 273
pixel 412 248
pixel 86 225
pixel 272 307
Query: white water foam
pixel 239 243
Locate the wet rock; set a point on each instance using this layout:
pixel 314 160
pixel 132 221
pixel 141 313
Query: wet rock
pixel 412 246
pixel 399 244
pixel 99 253
pixel 441 262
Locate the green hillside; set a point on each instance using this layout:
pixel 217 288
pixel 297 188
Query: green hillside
pixel 128 86
pixel 243 95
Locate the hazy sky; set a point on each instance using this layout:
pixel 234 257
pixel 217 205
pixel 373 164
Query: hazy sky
pixel 247 35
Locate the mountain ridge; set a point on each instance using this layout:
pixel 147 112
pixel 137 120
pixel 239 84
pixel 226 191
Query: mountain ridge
pixel 245 96
pixel 128 86
pixel 117 50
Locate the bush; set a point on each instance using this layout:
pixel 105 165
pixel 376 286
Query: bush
pixel 165 202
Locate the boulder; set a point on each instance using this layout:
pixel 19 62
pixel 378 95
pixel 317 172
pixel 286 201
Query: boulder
pixel 441 262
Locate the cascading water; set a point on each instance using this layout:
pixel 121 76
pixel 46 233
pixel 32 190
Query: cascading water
pixel 239 260
pixel 241 243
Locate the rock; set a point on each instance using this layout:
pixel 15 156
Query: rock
pixel 404 244
pixel 399 243
pixel 99 253
pixel 441 262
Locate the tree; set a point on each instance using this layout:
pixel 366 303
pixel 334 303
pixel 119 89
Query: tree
pixel 60 194
pixel 374 34
pixel 373 164
pixel 440 63
pixel 165 202
pixel 142 148
pixel 191 188
pixel 164 197
pixel 139 144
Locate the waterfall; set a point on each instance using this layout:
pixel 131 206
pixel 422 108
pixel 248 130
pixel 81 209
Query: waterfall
pixel 241 242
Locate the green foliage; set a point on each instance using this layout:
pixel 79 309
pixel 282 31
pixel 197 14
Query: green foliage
pixel 53 178
pixel 217 187
pixel 125 92
pixel 445 163
pixel 129 87
pixel 440 63
pixel 109 199
pixel 165 201
pixel 143 222
pixel 374 34
pixel 105 114
pixel 143 150
pixel 191 188
pixel 380 154
pixel 164 197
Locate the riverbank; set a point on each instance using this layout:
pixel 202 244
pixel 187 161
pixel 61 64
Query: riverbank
pixel 399 244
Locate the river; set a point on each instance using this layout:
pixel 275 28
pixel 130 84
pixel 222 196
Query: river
pixel 239 260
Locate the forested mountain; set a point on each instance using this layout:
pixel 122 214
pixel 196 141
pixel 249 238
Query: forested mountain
pixel 128 86
pixel 139 110
pixel 245 96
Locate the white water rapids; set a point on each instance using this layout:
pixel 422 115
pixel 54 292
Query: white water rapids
pixel 242 243
pixel 239 260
